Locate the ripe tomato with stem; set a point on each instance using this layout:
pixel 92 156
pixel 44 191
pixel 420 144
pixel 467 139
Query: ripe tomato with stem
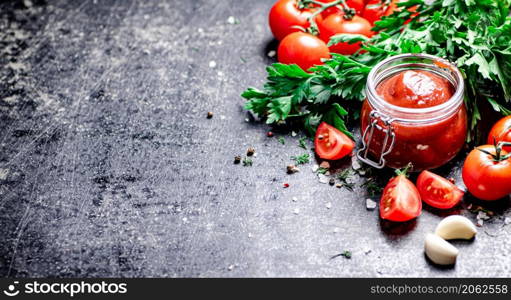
pixel 487 172
pixel 501 132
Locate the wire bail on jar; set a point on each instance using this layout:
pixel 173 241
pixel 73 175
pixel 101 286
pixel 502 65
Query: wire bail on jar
pixel 367 137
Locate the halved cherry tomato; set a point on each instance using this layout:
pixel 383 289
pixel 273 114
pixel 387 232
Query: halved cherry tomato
pixel 438 191
pixel 336 24
pixel 501 132
pixel 302 49
pixel 332 144
pixel 285 17
pixel 400 201
pixel 487 175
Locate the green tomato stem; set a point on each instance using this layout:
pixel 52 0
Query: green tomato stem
pixel 404 172
pixel 313 29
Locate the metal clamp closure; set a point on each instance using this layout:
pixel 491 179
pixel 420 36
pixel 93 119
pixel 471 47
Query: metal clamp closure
pixel 388 142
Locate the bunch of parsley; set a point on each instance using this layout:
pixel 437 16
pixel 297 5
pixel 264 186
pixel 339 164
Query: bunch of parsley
pixel 474 34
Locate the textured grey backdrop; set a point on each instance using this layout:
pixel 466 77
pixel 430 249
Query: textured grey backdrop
pixel 109 167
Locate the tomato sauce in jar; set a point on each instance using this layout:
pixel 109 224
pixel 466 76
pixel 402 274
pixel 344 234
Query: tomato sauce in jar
pixel 414 113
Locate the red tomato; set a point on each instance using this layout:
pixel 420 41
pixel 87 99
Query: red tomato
pixel 285 14
pixel 400 201
pixel 357 5
pixel 487 176
pixel 302 49
pixel 501 132
pixel 438 191
pixel 332 144
pixel 375 10
pixel 336 24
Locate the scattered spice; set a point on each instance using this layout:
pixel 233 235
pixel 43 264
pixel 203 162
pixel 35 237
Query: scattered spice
pixel 301 159
pixel 347 254
pixel 372 187
pixel 344 177
pixel 291 169
pixel 232 20
pixel 324 165
pixel 286 185
pixel 481 215
pixel 476 209
pixel 323 179
pixel 210 115
pixel 355 164
pixel 370 204
pixel 321 171
pixel 269 134
pixel 250 151
pixel 237 159
pixel 282 140
pixel 302 144
pixel 247 162
pixel 328 205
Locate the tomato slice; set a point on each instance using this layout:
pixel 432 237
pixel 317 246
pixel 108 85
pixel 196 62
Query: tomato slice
pixel 438 191
pixel 332 144
pixel 400 201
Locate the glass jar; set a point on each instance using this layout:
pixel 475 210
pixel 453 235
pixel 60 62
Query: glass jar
pixel 427 137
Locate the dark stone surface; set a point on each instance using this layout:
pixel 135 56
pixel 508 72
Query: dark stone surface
pixel 109 166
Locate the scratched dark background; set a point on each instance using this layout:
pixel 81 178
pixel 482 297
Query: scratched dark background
pixel 109 166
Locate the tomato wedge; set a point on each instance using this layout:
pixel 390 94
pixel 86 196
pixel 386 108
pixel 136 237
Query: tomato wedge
pixel 438 191
pixel 332 144
pixel 400 201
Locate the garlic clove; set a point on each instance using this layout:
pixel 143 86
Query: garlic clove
pixel 456 227
pixel 439 250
